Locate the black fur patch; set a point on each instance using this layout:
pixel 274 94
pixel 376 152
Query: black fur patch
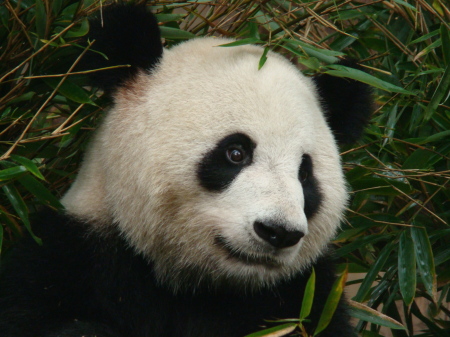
pixel 311 192
pixel 348 104
pixel 82 283
pixel 215 172
pixel 127 35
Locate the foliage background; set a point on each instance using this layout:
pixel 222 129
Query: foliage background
pixel 397 230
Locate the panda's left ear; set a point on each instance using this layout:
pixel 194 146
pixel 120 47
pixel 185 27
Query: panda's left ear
pixel 127 34
pixel 348 104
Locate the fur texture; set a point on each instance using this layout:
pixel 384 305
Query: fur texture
pixel 80 284
pixel 141 170
pixel 126 36
pixel 165 233
pixel 348 104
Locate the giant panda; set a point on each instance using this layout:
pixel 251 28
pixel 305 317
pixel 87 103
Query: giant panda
pixel 204 200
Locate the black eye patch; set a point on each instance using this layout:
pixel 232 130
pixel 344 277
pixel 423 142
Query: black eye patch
pixel 311 192
pixel 220 166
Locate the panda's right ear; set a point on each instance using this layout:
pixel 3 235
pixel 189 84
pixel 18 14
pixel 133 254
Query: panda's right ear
pixel 127 35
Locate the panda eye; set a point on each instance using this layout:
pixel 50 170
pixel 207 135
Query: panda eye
pixel 235 155
pixel 306 168
pixel 303 175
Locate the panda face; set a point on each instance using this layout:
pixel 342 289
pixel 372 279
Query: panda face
pixel 214 170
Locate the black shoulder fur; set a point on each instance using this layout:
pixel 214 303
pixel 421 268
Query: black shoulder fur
pixel 82 284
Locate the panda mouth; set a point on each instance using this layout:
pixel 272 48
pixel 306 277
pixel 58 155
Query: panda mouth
pixel 243 257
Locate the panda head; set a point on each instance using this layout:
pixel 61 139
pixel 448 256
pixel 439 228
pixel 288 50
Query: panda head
pixel 213 170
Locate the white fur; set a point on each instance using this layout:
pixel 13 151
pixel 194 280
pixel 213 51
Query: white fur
pixel 140 171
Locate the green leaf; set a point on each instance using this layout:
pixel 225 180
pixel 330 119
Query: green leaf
pixel 371 276
pixel 253 30
pixel 425 260
pixel 331 303
pixel 263 58
pixel 404 3
pixel 56 6
pixel 12 172
pixel 442 257
pixel 169 17
pixel 175 33
pixel 367 314
pixel 79 30
pixel 310 62
pixel 70 90
pixel 428 48
pixel 30 165
pixel 249 40
pixel 380 186
pixel 40 191
pixel 324 55
pixel 277 331
pixel 25 97
pixel 445 37
pixel 440 95
pixel 361 242
pixel 308 297
pixel 421 159
pixel 437 6
pixel 19 206
pixel 390 125
pixel 41 18
pixel 359 75
pixel 434 138
pixel 407 268
pixel 425 37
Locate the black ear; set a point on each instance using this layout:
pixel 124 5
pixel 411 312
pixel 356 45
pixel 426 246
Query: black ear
pixel 127 35
pixel 348 104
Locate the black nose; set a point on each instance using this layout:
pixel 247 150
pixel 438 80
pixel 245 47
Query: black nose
pixel 277 235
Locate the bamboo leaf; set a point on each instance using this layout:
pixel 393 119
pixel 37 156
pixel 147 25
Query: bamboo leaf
pixel 421 159
pixel 359 75
pixel 435 137
pixel 169 17
pixel 407 268
pixel 324 55
pixel 425 260
pixel 30 165
pixel 175 33
pixel 79 31
pixel 371 276
pixel 440 95
pixel 331 303
pixel 425 37
pixel 41 18
pixel 428 48
pixel 19 206
pixel 362 242
pixel 368 314
pixel 40 191
pixel 249 40
pixel 263 58
pixel 445 37
pixel 12 172
pixel 70 90
pixel 277 331
pixel 308 296
pixel 404 3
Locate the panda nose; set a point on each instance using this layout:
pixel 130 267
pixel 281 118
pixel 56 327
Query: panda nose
pixel 277 235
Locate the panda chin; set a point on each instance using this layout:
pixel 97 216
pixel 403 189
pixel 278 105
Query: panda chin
pixel 267 261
